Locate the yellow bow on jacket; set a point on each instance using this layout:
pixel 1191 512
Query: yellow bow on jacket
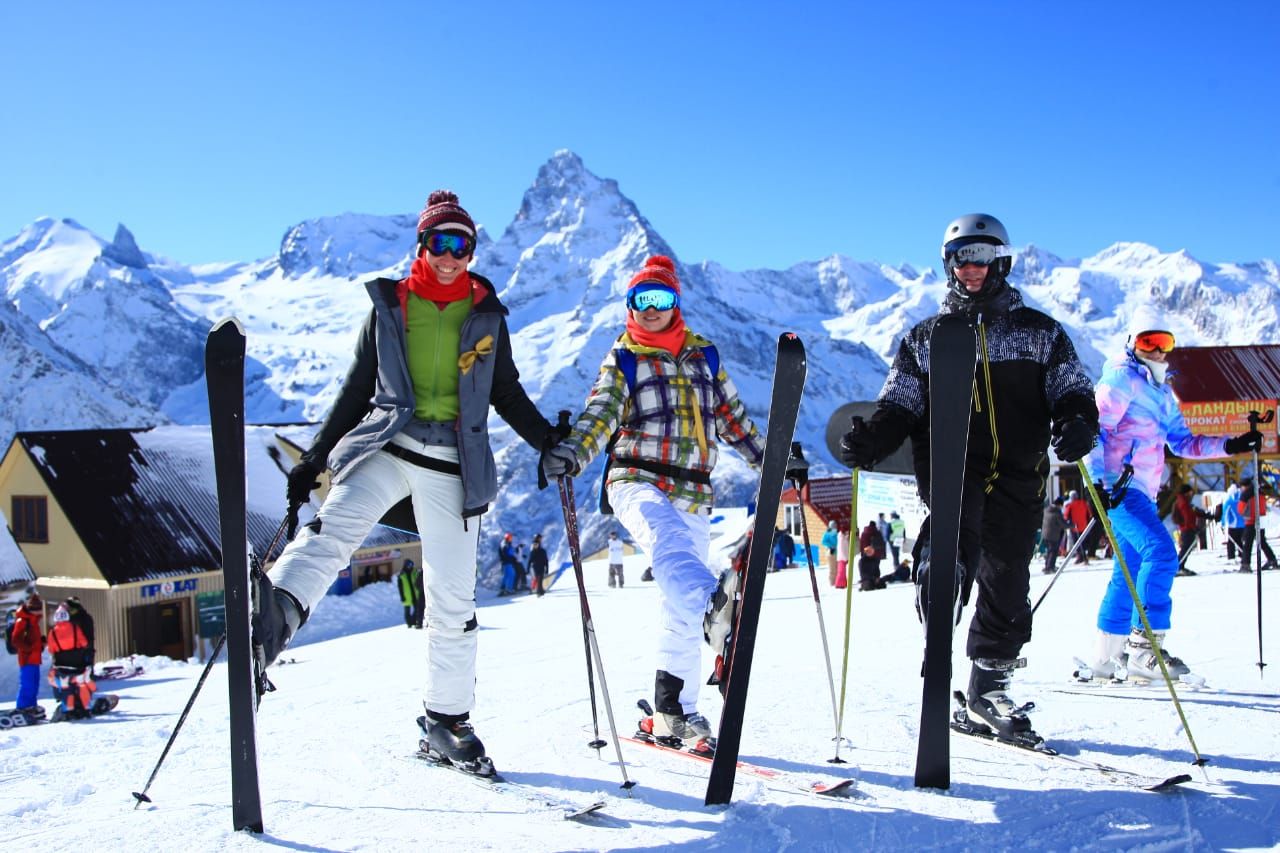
pixel 484 346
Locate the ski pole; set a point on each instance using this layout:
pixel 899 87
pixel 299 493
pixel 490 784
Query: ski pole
pixel 848 610
pixel 1117 491
pixel 588 629
pixel 1065 561
pixel 1254 420
pixel 1101 509
pixel 141 796
pixel 817 599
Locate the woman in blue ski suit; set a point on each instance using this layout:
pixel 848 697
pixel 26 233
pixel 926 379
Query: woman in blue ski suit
pixel 1138 415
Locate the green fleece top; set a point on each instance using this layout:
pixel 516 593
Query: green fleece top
pixel 433 336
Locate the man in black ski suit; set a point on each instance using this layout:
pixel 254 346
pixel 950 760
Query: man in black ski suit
pixel 1028 382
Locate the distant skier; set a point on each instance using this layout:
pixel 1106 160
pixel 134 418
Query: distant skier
pixel 71 675
pixel 664 405
pixel 1139 417
pixel 538 565
pixel 411 421
pixel 1027 381
pixel 412 594
pixel 615 560
pixel 27 637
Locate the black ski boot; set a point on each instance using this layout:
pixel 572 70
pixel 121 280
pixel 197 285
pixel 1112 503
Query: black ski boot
pixel 449 739
pixel 278 617
pixel 989 706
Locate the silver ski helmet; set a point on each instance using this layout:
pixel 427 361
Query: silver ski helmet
pixel 976 230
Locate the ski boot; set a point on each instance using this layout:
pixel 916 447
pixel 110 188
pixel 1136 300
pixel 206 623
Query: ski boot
pixel 1109 661
pixel 449 739
pixel 691 732
pixel 989 707
pixel 277 617
pixel 719 622
pixel 1142 658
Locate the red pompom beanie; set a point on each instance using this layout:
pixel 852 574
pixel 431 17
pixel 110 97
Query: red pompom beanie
pixel 658 269
pixel 443 213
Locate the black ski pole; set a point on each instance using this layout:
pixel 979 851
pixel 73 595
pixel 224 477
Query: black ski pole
pixel 1117 492
pixel 571 535
pixel 1075 546
pixel 141 796
pixel 817 599
pixel 589 631
pixel 1254 420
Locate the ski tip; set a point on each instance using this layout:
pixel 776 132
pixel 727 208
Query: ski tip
pixel 1170 783
pixel 843 788
pixel 228 321
pixel 585 811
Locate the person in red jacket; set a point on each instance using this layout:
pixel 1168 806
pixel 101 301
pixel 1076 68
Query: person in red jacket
pixel 29 641
pixel 1078 514
pixel 71 675
pixel 1249 505
pixel 1187 518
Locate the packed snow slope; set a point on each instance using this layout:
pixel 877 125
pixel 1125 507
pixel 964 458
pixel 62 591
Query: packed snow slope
pixel 337 739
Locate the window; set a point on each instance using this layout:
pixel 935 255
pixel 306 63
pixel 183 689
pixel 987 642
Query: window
pixel 791 514
pixel 30 519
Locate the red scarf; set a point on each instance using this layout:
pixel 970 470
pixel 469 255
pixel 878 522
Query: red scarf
pixel 670 339
pixel 422 281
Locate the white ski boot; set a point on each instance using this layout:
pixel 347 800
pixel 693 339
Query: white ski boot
pixel 1109 662
pixel 1142 658
pixel 722 608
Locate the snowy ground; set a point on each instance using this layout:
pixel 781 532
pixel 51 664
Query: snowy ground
pixel 336 741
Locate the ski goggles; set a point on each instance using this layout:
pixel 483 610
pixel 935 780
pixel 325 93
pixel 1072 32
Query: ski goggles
pixel 454 242
pixel 982 254
pixel 659 297
pixel 1151 341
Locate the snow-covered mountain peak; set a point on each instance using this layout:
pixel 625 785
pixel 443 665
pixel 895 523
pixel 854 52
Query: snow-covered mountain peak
pixel 123 249
pixel 348 245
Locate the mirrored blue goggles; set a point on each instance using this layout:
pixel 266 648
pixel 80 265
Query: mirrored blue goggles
pixel 454 242
pixel 655 296
pixel 982 254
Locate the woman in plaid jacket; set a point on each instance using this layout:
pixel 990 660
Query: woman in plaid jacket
pixel 658 405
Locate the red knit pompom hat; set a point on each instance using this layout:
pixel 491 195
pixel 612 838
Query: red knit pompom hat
pixel 658 269
pixel 443 213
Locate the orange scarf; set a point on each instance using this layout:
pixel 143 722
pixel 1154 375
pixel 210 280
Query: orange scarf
pixel 422 281
pixel 670 339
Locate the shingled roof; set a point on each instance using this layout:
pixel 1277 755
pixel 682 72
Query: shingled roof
pixel 144 501
pixel 1207 374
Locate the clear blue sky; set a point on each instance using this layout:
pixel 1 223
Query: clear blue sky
pixel 754 134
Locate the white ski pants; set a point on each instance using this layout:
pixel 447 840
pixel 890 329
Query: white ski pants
pixel 678 543
pixel 311 561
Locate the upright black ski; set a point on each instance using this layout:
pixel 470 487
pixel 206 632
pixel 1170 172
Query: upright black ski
pixel 788 387
pixel 224 373
pixel 952 355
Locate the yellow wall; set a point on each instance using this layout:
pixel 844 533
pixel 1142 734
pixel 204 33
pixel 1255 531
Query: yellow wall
pixel 65 554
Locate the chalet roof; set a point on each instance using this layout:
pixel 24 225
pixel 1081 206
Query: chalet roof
pixel 829 498
pixel 1208 374
pixel 144 501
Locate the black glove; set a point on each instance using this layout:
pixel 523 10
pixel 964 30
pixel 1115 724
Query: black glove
pixel 1245 443
pixel 559 461
pixel 857 446
pixel 797 467
pixel 302 480
pixel 1074 438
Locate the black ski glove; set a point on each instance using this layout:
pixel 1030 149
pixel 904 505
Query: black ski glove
pixel 1244 443
pixel 302 481
pixel 857 446
pixel 797 467
pixel 1074 438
